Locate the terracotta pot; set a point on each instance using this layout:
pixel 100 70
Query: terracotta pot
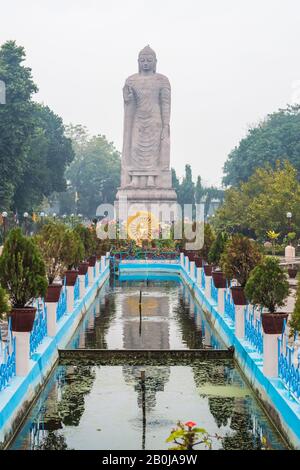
pixel 53 293
pixel 272 323
pixel 219 279
pixel 71 277
pixel 208 269
pixel 83 268
pixel 198 262
pixel 191 255
pixel 22 319
pixel 292 272
pixel 92 260
pixel 238 295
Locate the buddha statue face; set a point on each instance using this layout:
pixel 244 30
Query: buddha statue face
pixel 147 61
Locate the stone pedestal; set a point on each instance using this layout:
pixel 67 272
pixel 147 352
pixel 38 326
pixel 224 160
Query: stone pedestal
pixel 182 259
pixel 81 278
pixel 70 299
pixel 270 367
pixel 289 254
pixel 208 287
pixel 199 276
pixel 51 318
pixel 192 269
pixel 22 353
pixel 91 275
pixel 221 303
pixel 239 321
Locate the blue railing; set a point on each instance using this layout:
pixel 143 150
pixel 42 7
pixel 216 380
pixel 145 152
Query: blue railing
pixel 203 279
pixel 287 370
pixel 76 290
pixel 86 280
pixel 229 305
pixel 62 303
pixel 253 330
pixel 39 330
pixel 7 359
pixel 214 292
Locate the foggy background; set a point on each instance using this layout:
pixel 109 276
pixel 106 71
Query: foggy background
pixel 230 62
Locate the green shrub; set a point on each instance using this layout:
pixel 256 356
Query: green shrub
pixel 295 320
pixel 240 256
pixel 217 248
pixel 4 302
pixel 73 249
pixel 209 238
pixel 88 239
pixel 22 269
pixel 267 285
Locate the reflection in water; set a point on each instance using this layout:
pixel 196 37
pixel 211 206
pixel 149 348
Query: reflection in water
pixel 166 318
pixel 124 407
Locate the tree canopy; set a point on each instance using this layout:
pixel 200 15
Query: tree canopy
pixel 94 174
pixel 261 204
pixel 277 137
pixel 33 148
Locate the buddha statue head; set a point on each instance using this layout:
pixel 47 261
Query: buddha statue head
pixel 147 60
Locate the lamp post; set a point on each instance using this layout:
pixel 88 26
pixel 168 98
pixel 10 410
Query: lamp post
pixel 25 215
pixel 4 217
pixel 72 220
pixel 289 218
pixel 64 217
pixel 42 215
pixel 54 216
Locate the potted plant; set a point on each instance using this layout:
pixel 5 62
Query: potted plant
pixel 88 239
pixel 51 240
pixel 73 255
pixel 240 256
pixel 23 275
pixel 292 271
pixel 268 287
pixel 214 256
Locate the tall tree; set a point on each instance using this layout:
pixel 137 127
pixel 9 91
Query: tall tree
pixel 186 193
pixel 16 119
pixel 275 138
pixel 49 152
pixel 94 174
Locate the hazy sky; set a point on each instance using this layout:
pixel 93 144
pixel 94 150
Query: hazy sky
pixel 230 62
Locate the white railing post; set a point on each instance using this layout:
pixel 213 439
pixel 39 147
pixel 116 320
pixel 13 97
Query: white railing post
pixel 182 259
pixel 22 352
pixel 91 275
pixel 199 276
pixel 186 263
pixel 208 286
pixel 192 269
pixel 270 360
pixel 51 318
pixel 70 299
pixel 221 303
pixel 239 325
pixel 81 278
pixel 103 263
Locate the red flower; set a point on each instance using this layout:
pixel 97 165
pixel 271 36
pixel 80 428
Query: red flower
pixel 190 424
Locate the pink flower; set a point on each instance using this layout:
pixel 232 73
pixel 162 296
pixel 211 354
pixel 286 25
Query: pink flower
pixel 190 424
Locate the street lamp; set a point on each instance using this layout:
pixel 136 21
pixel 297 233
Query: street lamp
pixel 289 217
pixel 42 215
pixel 72 220
pixel 64 217
pixel 54 215
pixel 4 216
pixel 25 215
